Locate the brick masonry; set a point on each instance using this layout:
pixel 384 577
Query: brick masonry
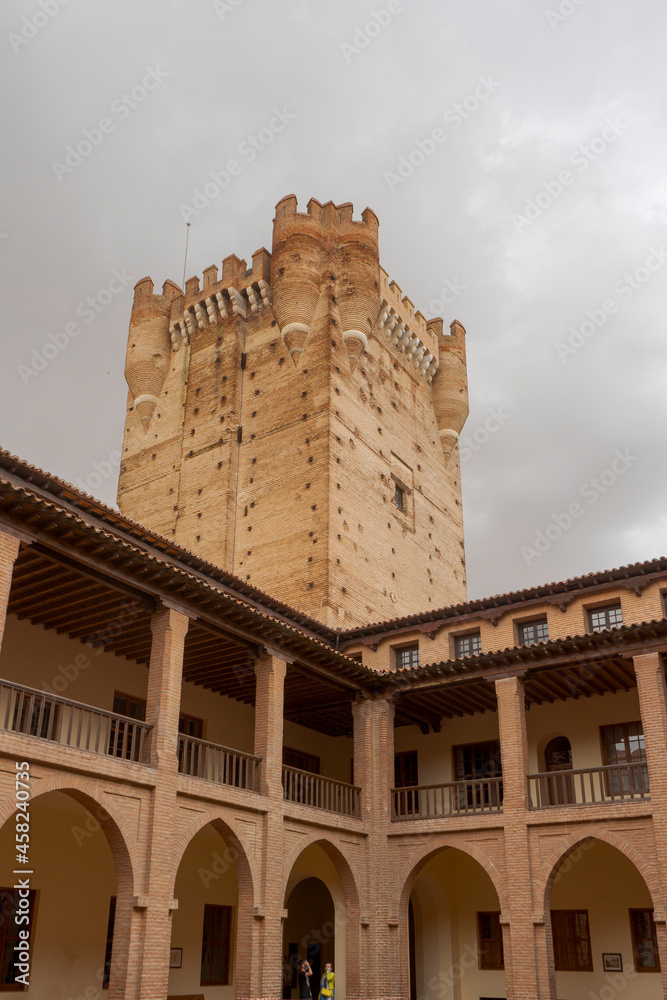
pixel 273 440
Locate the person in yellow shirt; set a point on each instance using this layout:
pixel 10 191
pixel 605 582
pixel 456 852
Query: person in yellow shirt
pixel 327 983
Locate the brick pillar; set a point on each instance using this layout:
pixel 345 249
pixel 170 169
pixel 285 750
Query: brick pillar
pixel 9 550
pixel 269 699
pixel 270 673
pixel 521 973
pixel 165 675
pixel 126 957
pixel 650 673
pixel 381 965
pixel 144 923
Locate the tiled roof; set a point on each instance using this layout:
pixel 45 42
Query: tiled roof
pixel 52 488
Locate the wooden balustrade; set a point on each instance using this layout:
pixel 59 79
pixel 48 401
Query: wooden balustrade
pixel 612 783
pixel 71 723
pixel 323 793
pixel 454 798
pixel 217 763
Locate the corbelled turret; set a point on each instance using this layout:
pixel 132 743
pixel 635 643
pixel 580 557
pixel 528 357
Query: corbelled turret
pixel 325 252
pixel 148 346
pixel 450 385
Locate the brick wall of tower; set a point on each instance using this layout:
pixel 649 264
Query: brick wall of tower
pixel 332 416
pixel 385 563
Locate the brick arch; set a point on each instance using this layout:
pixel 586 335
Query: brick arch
pixel 552 865
pixel 124 852
pixel 340 861
pixel 349 885
pixel 238 855
pixel 112 821
pixel 406 879
pixel 407 876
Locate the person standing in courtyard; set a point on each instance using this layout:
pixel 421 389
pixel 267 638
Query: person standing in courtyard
pixel 327 983
pixel 305 972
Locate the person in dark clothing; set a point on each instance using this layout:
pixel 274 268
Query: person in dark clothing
pixel 305 972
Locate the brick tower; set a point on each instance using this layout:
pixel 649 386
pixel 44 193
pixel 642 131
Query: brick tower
pixel 297 422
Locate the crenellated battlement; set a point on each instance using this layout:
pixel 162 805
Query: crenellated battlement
pixel 408 331
pixel 327 215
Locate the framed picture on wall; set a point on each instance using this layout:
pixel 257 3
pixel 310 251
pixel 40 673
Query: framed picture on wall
pixel 612 962
pixel 175 958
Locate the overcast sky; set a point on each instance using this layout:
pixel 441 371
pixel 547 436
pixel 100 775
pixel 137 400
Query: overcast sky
pixel 541 201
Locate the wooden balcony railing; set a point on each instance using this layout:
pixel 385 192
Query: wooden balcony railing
pixel 48 717
pixel 455 798
pixel 613 783
pixel 323 793
pixel 219 764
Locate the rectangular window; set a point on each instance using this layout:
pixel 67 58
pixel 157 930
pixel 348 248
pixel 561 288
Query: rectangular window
pixel 608 617
pixel 301 760
pixel 190 725
pixel 399 498
pixel 467 645
pixel 123 737
pixel 572 941
pixel 215 945
pixel 407 657
pixel 406 769
pixel 9 935
pixel 406 775
pixel 474 764
pixel 126 704
pixel 532 632
pixel 477 760
pixel 109 946
pixel 644 941
pixel 624 745
pixel 36 715
pixel 490 937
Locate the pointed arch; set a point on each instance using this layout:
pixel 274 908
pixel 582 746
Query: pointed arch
pixel 237 854
pixel 555 861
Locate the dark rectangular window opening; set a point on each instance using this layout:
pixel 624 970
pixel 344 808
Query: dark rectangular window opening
pixel 399 499
pixel 624 744
pixel 190 725
pixel 475 763
pixel 490 937
pixel 467 645
pixel 644 941
pixel 406 775
pixel 109 945
pixel 572 941
pixel 215 945
pixel 407 657
pixel 301 760
pixel 603 618
pixel 532 632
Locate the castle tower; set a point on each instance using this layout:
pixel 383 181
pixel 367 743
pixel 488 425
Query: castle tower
pixel 296 423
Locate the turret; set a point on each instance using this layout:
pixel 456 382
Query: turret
pixel 296 271
pixel 148 346
pixel 358 277
pixel 450 385
pixel 325 252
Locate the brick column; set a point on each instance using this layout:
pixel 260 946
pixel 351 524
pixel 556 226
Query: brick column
pixel 143 924
pixel 165 676
pixel 9 550
pixel 521 954
pixel 381 967
pixel 269 700
pixel 652 691
pixel 270 671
